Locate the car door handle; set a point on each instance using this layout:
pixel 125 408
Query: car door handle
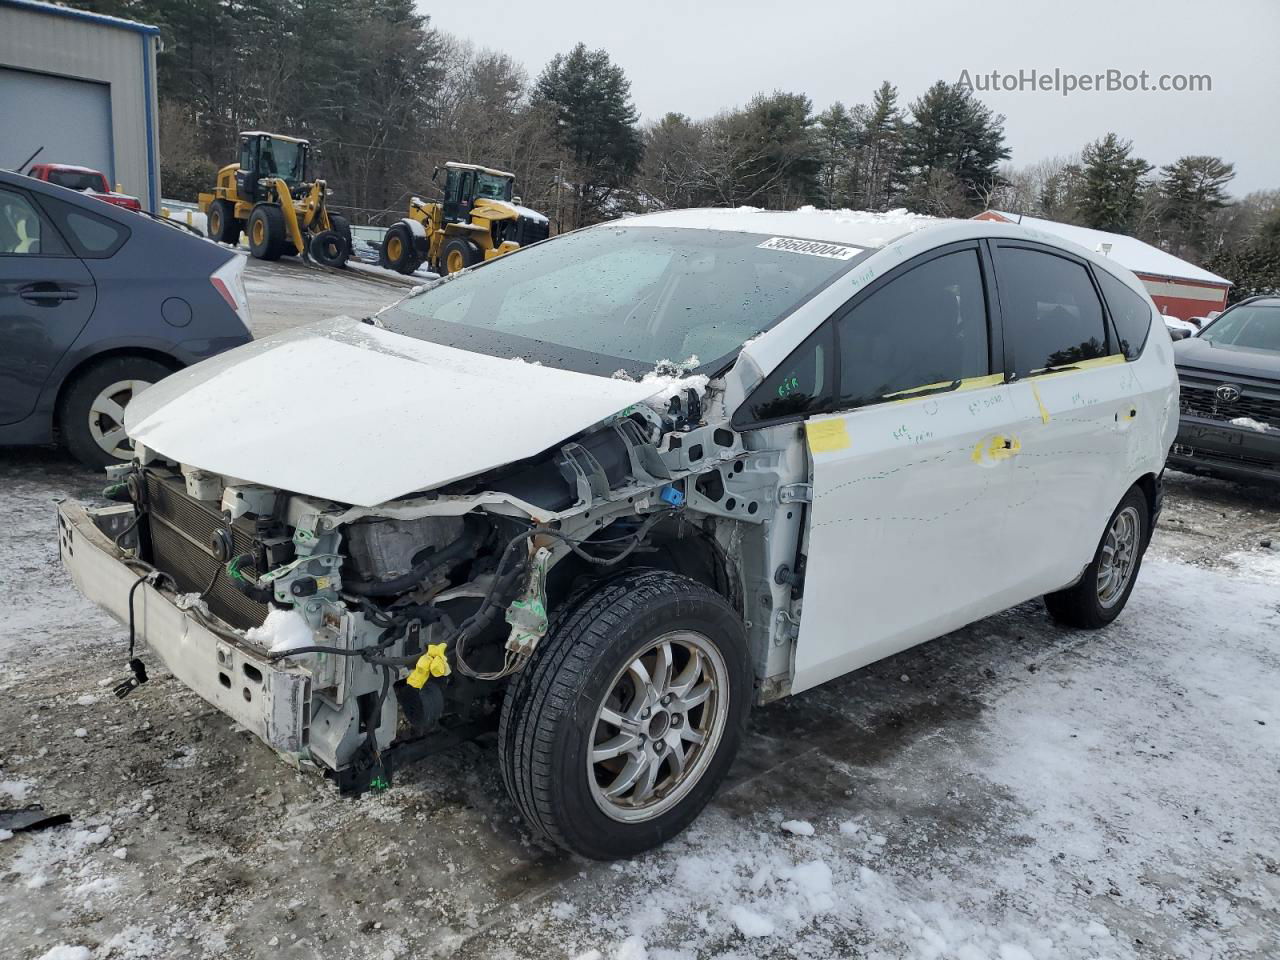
pixel 48 296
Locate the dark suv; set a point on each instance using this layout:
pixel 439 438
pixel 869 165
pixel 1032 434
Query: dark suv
pixel 1230 400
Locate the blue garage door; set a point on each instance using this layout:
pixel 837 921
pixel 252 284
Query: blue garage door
pixel 70 118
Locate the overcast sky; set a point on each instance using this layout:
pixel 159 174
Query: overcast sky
pixel 699 56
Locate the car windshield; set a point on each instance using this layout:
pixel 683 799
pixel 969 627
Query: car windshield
pixel 79 180
pixel 496 188
pixel 1257 328
pixel 624 297
pixel 283 159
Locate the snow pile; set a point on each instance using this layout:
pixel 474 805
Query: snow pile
pixel 16 789
pixel 45 854
pixel 799 828
pixel 282 630
pixel 65 951
pixel 1261 565
pixel 1251 424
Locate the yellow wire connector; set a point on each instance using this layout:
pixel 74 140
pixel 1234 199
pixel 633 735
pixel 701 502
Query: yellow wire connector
pixel 433 663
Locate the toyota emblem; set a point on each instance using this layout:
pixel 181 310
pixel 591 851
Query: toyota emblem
pixel 1227 393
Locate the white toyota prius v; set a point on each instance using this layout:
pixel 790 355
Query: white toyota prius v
pixel 607 494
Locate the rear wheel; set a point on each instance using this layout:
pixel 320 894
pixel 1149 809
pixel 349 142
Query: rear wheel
pixel 266 232
pixel 619 732
pixel 460 253
pixel 1104 588
pixel 91 417
pixel 397 249
pixel 222 225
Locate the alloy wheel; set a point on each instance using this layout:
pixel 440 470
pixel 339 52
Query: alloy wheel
pixel 1119 555
pixel 658 727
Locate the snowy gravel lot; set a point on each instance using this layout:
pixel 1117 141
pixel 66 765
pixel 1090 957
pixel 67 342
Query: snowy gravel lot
pixel 1010 791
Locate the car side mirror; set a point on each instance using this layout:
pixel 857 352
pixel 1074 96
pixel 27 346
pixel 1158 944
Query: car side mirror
pixel 1179 333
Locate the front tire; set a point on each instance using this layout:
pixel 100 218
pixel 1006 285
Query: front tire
pixel 619 732
pixel 458 254
pixel 91 416
pixel 266 232
pixel 1104 588
pixel 397 250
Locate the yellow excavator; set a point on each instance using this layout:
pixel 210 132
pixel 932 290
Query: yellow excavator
pixel 267 196
pixel 476 221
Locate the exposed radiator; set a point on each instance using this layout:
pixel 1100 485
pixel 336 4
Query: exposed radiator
pixel 181 534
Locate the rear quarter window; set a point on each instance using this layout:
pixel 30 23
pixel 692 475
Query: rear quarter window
pixel 1129 312
pixel 92 237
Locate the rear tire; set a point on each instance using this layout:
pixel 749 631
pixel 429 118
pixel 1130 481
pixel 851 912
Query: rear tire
pixel 266 232
pixel 566 762
pixel 1104 588
pixel 91 415
pixel 458 254
pixel 222 225
pixel 397 250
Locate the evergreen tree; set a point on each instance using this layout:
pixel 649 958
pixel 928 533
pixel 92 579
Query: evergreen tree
pixel 1194 188
pixel 778 130
pixel 952 132
pixel 836 136
pixel 880 149
pixel 595 123
pixel 1110 196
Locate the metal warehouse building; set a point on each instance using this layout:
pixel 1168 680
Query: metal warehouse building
pixel 83 87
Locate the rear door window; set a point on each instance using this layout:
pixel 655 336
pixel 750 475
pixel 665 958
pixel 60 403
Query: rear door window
pixel 1052 314
pixel 24 231
pixel 1129 312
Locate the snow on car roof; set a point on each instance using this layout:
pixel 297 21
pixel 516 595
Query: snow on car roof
pixel 861 228
pixel 1129 252
pixel 70 167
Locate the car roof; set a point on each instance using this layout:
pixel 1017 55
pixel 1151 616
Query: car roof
pixel 866 229
pixel 860 228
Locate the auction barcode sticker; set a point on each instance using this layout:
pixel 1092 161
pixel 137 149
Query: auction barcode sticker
pixel 814 248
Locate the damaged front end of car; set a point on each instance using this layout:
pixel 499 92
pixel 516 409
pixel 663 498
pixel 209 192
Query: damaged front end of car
pixel 362 638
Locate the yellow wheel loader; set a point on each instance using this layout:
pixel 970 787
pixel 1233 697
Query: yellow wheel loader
pixel 267 197
pixel 477 221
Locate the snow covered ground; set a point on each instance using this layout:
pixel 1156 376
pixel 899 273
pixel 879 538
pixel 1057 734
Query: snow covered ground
pixel 1009 791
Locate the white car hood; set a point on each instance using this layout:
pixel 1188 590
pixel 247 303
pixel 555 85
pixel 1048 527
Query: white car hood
pixel 350 412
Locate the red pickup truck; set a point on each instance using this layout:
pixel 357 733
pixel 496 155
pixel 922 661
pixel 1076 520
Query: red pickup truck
pixel 84 179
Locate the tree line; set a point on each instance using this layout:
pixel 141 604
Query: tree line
pixel 385 98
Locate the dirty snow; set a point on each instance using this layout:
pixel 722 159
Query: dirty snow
pixel 282 630
pixel 799 828
pixel 1251 424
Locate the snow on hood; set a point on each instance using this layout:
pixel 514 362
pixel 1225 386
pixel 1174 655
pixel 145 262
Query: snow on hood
pixel 350 412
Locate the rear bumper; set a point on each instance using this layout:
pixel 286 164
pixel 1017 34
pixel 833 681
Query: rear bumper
pixel 271 700
pixel 1224 449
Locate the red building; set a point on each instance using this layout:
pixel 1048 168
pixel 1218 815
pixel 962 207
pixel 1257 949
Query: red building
pixel 1180 289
